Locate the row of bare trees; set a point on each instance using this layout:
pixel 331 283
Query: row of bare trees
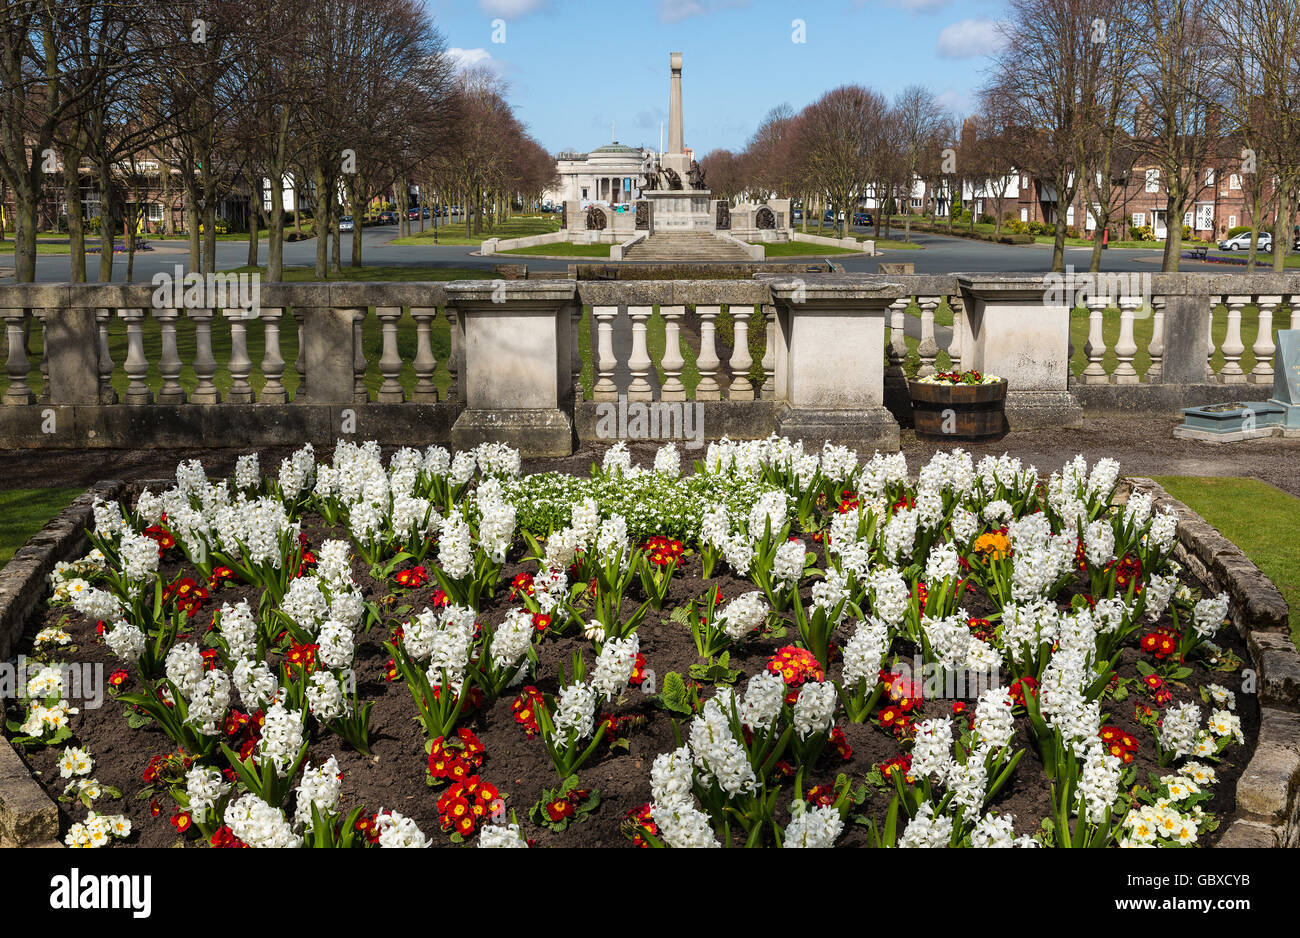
pixel 343 101
pixel 1082 96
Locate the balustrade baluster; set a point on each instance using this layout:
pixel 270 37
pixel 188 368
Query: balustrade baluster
pixel 638 362
pixel 1126 348
pixel 106 393
pixel 927 349
pixel 1095 347
pixel 956 304
pixel 605 389
pixel 1156 349
pixel 708 389
pixel 273 391
pixel 360 393
pixel 575 351
pixel 136 366
pixel 390 361
pixel 17 364
pixel 1264 348
pixel 300 362
pixel 896 350
pixel 1231 372
pixel 742 389
pixel 454 358
pixel 425 365
pixel 769 353
pixel 241 366
pixel 169 364
pixel 205 366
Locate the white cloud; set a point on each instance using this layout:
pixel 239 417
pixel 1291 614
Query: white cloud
pixel 922 6
pixel 956 102
pixel 510 8
pixel 674 11
pixel 466 57
pixel 970 38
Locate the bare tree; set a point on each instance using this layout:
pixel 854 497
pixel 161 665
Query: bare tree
pixel 842 126
pixel 919 121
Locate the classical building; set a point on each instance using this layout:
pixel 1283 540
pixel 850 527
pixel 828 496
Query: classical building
pixel 609 174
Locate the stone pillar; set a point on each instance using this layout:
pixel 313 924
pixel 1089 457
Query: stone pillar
pixel 673 389
pixel 1017 329
pixel 327 354
pixel 360 393
pixel 516 365
pixel 676 135
pixel 72 350
pixel 1185 347
pixel 831 336
pixel 300 360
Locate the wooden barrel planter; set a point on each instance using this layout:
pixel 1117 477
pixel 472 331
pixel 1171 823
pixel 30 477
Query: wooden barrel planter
pixel 942 412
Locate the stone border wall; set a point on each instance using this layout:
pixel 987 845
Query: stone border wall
pixel 27 816
pixel 1267 812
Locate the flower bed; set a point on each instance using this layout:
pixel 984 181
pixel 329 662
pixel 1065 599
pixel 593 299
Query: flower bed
pixel 312 640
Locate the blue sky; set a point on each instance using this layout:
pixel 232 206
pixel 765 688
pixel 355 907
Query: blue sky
pixel 573 66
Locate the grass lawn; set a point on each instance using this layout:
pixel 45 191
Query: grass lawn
pixel 891 244
pixel 562 249
pixel 1257 517
pixel 23 512
pixel 800 249
pixel 453 231
pixel 43 246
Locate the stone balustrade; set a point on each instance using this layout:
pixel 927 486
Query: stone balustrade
pixel 539 364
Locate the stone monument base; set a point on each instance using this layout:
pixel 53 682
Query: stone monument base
pixel 865 429
pixel 541 432
pixel 1028 410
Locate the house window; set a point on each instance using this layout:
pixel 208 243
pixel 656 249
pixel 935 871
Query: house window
pixel 1209 176
pixel 1234 181
pixel 1024 214
pixel 1232 221
pixel 153 211
pixel 584 193
pixel 1093 214
pixel 1205 217
pixel 1139 219
pixel 1153 180
pixel 1187 219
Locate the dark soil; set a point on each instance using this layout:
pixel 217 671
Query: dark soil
pixel 394 777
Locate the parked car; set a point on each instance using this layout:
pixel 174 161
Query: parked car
pixel 797 215
pixel 864 219
pixel 388 218
pixel 346 223
pixel 415 213
pixel 1241 242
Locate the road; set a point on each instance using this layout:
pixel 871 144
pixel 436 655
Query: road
pixel 940 254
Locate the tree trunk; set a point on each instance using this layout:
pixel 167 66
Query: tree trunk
pixel 320 215
pixel 253 209
pixel 76 219
pixel 358 218
pixel 1281 236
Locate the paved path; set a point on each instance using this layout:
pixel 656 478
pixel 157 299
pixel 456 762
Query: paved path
pixel 941 255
